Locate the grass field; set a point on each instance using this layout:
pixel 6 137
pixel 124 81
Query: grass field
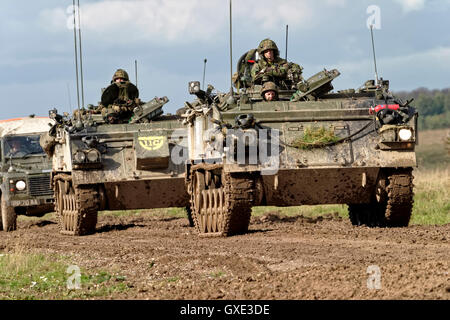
pixel 433 150
pixel 30 276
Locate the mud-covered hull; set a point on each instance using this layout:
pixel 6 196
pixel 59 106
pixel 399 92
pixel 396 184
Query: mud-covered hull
pixel 320 186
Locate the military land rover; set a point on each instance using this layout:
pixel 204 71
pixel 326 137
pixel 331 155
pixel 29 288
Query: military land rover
pixel 25 170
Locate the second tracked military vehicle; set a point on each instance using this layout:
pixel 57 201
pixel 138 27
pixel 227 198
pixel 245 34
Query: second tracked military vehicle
pixel 100 163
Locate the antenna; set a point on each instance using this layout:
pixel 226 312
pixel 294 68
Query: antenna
pixel 231 50
pixel 373 49
pixel 287 33
pixel 136 72
pixel 68 94
pixel 204 72
pixel 76 58
pixel 81 55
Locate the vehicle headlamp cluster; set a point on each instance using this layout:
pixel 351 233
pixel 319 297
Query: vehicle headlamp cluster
pixel 405 134
pixel 194 87
pixel 17 185
pixel 392 133
pixel 87 156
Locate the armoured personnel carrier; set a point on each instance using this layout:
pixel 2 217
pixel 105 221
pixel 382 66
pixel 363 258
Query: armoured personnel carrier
pixel 98 165
pixel 25 170
pixel 311 146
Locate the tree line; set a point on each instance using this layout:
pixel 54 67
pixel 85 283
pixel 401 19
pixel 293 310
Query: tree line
pixel 433 106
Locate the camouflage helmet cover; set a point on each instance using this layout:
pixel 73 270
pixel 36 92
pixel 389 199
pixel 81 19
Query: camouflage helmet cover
pixel 268 44
pixel 120 73
pixel 269 86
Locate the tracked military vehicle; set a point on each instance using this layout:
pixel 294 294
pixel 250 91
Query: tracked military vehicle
pixel 99 165
pixel 25 170
pixel 311 146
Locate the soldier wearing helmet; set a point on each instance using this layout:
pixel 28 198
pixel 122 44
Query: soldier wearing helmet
pixel 270 67
pixel 269 91
pixel 119 98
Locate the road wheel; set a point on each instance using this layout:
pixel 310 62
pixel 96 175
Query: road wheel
pixel 392 203
pixel 9 217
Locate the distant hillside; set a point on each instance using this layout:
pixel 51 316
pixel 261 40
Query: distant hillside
pixel 433 106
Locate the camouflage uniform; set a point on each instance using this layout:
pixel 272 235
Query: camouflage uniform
pixel 284 74
pixel 119 99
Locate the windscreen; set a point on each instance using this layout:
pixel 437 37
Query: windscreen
pixel 22 146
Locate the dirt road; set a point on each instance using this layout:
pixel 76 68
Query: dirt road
pixel 280 258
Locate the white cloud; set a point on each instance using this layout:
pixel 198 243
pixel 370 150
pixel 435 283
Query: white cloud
pixel 170 21
pixel 273 14
pixel 427 68
pixel 436 56
pixel 411 5
pixel 139 20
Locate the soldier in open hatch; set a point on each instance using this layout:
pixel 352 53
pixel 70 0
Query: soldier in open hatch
pixel 269 91
pixel 270 67
pixel 119 98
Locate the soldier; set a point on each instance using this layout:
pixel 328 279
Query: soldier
pixel 17 148
pixel 270 67
pixel 120 98
pixel 269 91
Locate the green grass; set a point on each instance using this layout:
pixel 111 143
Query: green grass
pixel 217 274
pixel 433 150
pixel 32 276
pixel 173 279
pixel 306 211
pixel 48 216
pixel 431 199
pixel 172 212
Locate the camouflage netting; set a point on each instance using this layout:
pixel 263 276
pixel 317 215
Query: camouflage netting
pixel 315 137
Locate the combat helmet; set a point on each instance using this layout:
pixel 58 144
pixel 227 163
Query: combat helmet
pixel 268 44
pixel 269 86
pixel 120 73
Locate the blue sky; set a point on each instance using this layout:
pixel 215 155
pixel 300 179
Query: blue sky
pixel 170 39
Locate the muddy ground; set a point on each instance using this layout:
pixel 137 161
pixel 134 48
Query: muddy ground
pixel 280 258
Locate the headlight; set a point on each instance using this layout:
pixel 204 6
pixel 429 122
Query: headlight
pixel 21 185
pixel 80 156
pixel 405 134
pixel 194 87
pixel 92 156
